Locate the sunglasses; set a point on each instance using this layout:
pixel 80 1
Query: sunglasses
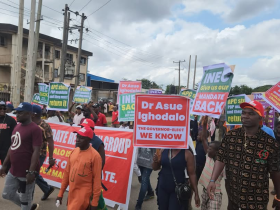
pixel 3 108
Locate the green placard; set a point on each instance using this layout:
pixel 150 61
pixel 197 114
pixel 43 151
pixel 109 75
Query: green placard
pixel 44 93
pixel 36 98
pixel 58 96
pixel 82 95
pixel 233 110
pixel 126 107
pixel 188 93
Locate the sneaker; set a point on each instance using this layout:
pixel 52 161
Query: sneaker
pixel 137 208
pixel 140 179
pixel 46 195
pixel 35 206
pixel 149 196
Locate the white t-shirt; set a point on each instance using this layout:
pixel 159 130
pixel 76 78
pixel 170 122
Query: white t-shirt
pixel 53 119
pixel 105 108
pixel 77 118
pixel 127 127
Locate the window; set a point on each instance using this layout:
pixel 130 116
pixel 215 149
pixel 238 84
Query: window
pixel 81 77
pixel 2 41
pixel 83 61
pixel 69 57
pixel 69 73
pixel 57 54
pixel 56 73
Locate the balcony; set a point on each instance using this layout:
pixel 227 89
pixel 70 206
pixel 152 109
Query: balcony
pixel 5 60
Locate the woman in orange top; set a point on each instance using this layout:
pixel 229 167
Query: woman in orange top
pixel 82 174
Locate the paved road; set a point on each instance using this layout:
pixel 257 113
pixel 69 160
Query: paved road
pixel 149 205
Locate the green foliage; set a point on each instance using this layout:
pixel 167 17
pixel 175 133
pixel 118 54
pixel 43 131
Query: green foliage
pixel 147 84
pixel 242 89
pixel 262 88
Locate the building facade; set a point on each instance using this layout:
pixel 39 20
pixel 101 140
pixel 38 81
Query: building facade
pixel 47 64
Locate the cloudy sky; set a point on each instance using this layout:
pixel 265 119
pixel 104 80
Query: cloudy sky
pixel 136 39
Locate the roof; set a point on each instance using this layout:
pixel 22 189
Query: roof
pixel 97 78
pixel 9 28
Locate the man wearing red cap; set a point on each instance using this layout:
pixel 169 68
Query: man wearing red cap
pixel 249 154
pixel 82 174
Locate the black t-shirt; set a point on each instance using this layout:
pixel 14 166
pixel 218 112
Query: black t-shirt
pixel 7 125
pixel 200 154
pixel 277 137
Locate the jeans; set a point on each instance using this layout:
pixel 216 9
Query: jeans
pixel 145 185
pixel 40 180
pixel 12 184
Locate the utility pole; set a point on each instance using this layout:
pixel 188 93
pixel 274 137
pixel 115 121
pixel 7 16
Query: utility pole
pixel 179 74
pixel 17 63
pixel 194 71
pixel 30 72
pixel 36 41
pixel 64 42
pixel 80 51
pixel 189 72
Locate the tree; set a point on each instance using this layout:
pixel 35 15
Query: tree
pixel 147 84
pixel 262 88
pixel 242 89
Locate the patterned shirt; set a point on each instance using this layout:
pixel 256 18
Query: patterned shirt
pixel 248 161
pixel 47 133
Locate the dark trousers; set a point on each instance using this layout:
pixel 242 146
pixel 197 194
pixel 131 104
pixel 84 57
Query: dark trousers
pixel 145 185
pixel 40 180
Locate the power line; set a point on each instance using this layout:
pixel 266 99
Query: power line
pixel 99 8
pixel 72 3
pixel 85 5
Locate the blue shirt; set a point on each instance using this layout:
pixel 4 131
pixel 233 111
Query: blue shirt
pixel 268 130
pixel 96 142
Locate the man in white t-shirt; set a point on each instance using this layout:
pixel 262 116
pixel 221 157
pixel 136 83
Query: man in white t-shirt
pixel 78 115
pixel 54 116
pixel 105 108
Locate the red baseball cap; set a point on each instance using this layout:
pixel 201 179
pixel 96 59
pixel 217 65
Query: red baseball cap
pixel 88 123
pixel 257 106
pixel 85 131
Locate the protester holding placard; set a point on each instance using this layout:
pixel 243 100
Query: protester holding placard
pixel 78 116
pixel 249 154
pixel 54 116
pixel 101 120
pixel 173 163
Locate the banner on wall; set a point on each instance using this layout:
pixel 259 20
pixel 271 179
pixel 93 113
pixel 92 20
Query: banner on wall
pixel 44 93
pixel 272 96
pixel 82 95
pixel 161 121
pixel 233 110
pixel 58 96
pixel 213 90
pixel 155 91
pixel 129 87
pixel 126 107
pixel 260 98
pixel 119 151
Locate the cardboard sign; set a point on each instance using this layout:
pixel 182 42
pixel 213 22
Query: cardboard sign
pixel 213 90
pixel 82 95
pixel 44 93
pixel 272 96
pixel 129 87
pixel 161 121
pixel 126 107
pixel 58 96
pixel 190 94
pixel 36 100
pixel 233 109
pixel 260 98
pixel 155 91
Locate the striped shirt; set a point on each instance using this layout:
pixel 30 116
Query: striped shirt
pixel 207 173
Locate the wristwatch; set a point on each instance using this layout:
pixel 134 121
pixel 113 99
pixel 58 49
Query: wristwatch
pixel 31 172
pixel 212 180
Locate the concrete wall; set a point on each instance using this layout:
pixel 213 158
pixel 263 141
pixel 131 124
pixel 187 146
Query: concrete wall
pixel 5 75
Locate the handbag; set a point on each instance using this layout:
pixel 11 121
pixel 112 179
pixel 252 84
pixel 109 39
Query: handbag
pixel 183 191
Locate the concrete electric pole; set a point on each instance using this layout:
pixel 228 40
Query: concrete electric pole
pixel 64 42
pixel 194 72
pixel 17 63
pixel 80 51
pixel 189 72
pixel 179 86
pixel 30 72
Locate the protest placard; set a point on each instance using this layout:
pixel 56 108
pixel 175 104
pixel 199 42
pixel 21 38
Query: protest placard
pixel 233 110
pixel 161 121
pixel 260 98
pixel 44 93
pixel 213 90
pixel 129 87
pixel 272 96
pixel 155 91
pixel 82 94
pixel 126 107
pixel 58 96
pixel 36 100
pixel 191 95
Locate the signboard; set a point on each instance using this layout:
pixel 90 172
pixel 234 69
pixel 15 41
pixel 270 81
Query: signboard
pixel 82 95
pixel 260 98
pixel 126 107
pixel 43 92
pixel 119 154
pixel 213 90
pixel 272 96
pixel 36 100
pixel 233 109
pixel 155 91
pixel 190 94
pixel 161 121
pixel 129 87
pixel 58 96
